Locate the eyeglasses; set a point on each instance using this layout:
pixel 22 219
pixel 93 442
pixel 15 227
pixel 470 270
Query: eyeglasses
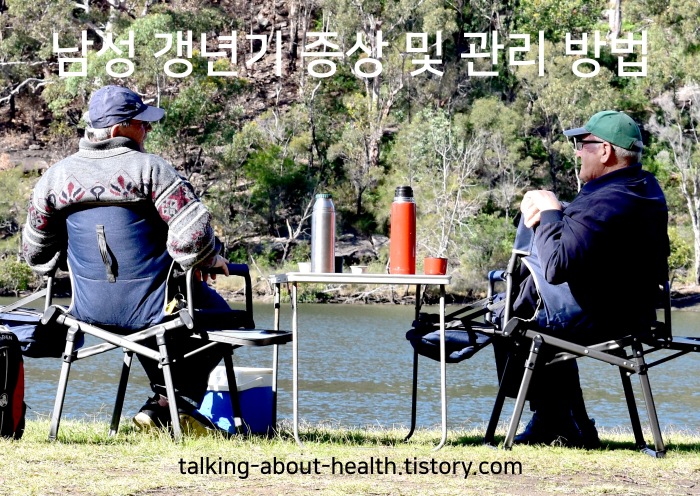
pixel 579 144
pixel 144 124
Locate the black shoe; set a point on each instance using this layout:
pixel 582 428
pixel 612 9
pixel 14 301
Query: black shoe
pixel 543 430
pixel 536 432
pixel 154 415
pixel 589 435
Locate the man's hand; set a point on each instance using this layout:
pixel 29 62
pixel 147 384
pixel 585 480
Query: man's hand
pixel 536 201
pixel 219 263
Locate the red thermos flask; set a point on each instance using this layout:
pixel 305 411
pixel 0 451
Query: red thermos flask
pixel 402 243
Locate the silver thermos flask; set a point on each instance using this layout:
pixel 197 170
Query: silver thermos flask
pixel 323 234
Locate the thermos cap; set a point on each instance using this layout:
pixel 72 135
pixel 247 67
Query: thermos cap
pixel 404 192
pixel 323 195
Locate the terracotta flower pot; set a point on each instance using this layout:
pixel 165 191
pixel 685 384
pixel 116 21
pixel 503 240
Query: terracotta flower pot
pixel 435 266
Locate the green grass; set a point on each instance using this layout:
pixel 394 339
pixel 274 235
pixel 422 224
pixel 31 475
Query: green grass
pixel 86 461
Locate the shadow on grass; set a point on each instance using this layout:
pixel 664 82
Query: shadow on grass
pixel 345 437
pixel 96 433
pixel 606 444
pixel 680 447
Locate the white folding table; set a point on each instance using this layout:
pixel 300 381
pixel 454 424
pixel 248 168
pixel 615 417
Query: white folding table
pixel 295 278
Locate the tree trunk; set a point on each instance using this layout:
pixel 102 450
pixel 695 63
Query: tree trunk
pixel 358 201
pixel 695 220
pixel 615 18
pixel 696 265
pixel 13 110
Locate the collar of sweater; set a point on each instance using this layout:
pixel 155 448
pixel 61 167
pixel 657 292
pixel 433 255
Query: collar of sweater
pixel 107 148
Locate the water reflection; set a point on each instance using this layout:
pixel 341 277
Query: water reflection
pixel 355 369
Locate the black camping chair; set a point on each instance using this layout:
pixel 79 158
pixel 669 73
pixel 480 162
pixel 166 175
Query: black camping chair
pixel 227 329
pixel 627 353
pixel 466 333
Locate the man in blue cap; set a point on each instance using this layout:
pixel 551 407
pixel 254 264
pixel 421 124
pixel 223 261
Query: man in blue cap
pixel 610 245
pixel 161 220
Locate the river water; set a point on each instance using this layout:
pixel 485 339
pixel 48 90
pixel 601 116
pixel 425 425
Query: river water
pixel 355 370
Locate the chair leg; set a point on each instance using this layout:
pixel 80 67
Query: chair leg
pixel 169 386
pixel 233 393
pixel 414 396
pixel 659 447
pixel 121 392
pixel 632 407
pixel 489 437
pixel 68 357
pixel 522 392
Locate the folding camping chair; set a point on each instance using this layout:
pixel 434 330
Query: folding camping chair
pixel 466 333
pixel 225 329
pixel 627 353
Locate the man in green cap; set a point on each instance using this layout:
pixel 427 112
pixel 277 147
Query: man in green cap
pixel 610 244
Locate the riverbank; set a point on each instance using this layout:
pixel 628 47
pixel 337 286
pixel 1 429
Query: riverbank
pixel 684 298
pixel 87 462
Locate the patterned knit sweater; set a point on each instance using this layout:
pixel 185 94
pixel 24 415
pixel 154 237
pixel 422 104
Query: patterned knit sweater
pixel 115 171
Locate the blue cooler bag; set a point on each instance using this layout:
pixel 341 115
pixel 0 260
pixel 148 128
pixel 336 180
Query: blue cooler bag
pixel 254 394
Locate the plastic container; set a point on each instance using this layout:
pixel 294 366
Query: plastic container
pixel 323 234
pixel 435 266
pixel 254 394
pixel 402 241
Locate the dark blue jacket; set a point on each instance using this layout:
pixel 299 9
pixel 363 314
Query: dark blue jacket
pixel 610 244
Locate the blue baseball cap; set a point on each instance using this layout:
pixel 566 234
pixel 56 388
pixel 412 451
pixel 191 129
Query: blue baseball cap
pixel 112 105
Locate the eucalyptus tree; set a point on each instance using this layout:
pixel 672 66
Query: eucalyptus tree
pixel 374 33
pixel 677 125
pixel 556 101
pixel 672 88
pixel 440 156
pixel 504 167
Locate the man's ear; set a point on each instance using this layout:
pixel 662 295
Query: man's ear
pixel 608 153
pixel 114 131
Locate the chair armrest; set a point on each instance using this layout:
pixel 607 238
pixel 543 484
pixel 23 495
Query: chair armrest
pixel 240 270
pixel 51 315
pixel 233 270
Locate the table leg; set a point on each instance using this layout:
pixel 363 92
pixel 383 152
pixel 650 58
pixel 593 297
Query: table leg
pixel 414 388
pixel 295 365
pixel 275 354
pixel 443 370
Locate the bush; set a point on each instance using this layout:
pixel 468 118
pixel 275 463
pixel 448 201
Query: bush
pixel 300 252
pixel 239 254
pixel 487 247
pixel 14 275
pixel 681 258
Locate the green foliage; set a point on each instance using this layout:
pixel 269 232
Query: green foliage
pixel 359 139
pixel 238 254
pixel 14 275
pixel 278 184
pixel 301 252
pixel 14 194
pixel 490 240
pixel 33 24
pixel 681 258
pixel 198 118
pixel 558 17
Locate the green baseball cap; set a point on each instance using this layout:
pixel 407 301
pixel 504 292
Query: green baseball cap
pixel 617 128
